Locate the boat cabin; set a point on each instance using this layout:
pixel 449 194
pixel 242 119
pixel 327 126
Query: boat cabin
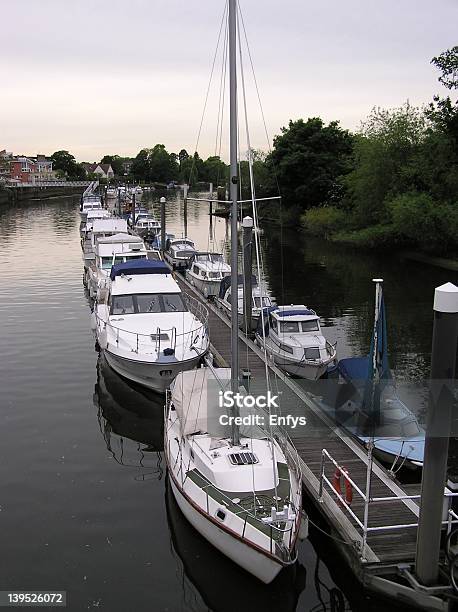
pixel 298 327
pixel 120 248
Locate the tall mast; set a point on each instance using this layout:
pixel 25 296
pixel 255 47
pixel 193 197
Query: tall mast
pixel 233 193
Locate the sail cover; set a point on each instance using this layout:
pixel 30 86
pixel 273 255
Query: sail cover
pixel 195 395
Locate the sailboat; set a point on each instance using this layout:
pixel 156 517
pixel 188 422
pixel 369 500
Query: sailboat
pixel 239 486
pixel 374 412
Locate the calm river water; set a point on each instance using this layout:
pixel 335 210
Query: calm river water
pixel 84 504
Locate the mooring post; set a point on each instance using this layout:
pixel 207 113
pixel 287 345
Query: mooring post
pixel 210 197
pixel 438 424
pixel 162 201
pixel 133 210
pixel 247 225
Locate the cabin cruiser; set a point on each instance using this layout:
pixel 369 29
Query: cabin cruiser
pixel 259 294
pixel 92 215
pixel 101 228
pixel 109 251
pixel 90 202
pixel 293 339
pixel 147 329
pixel 206 271
pixel 178 252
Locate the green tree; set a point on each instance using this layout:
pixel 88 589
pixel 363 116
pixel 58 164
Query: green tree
pixel 64 162
pixel 385 161
pixel 141 167
pixel 309 158
pixel 214 171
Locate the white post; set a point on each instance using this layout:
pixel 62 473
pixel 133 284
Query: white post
pixel 441 400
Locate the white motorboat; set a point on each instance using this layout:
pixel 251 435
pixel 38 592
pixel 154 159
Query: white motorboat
pixel 101 228
pixel 238 485
pixel 148 330
pixel 294 341
pixel 90 202
pixel 259 296
pixel 178 252
pixel 108 251
pixel 206 271
pixel 91 216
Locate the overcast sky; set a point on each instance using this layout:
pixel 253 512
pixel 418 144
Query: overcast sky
pixel 99 77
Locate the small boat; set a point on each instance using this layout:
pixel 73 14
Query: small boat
pixel 108 251
pixel 212 478
pixel 101 228
pixel 90 202
pixel 206 271
pixel 147 329
pixel 371 408
pixel 92 215
pixel 178 252
pixel 112 192
pixel 293 339
pixel 259 295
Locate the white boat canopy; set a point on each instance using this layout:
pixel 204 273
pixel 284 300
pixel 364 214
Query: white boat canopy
pixel 195 398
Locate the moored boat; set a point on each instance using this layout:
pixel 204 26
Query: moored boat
pixel 206 271
pixel 293 339
pixel 148 330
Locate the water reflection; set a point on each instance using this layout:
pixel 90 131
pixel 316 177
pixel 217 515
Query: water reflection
pixel 211 581
pixel 130 420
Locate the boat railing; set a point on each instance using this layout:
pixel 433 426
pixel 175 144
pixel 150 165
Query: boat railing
pixel 363 524
pixel 164 338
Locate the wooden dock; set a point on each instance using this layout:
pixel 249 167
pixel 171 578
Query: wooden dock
pixel 386 552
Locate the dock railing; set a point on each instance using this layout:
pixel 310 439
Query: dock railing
pixel 366 530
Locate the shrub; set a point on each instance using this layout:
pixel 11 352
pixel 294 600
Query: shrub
pixel 323 221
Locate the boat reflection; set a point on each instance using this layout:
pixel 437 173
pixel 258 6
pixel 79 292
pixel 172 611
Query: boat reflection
pixel 209 579
pixel 130 420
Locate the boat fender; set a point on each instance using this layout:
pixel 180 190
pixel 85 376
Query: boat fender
pixel 103 342
pixel 337 484
pixel 93 322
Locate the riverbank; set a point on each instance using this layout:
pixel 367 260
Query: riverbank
pixel 18 194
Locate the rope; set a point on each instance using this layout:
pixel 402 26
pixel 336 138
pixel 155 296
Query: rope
pixel 208 90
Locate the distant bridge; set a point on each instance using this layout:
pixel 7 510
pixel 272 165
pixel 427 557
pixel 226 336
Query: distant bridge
pixel 49 184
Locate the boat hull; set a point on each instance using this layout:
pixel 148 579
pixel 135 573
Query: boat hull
pixel 208 288
pixel 265 568
pixel 296 368
pixel 155 376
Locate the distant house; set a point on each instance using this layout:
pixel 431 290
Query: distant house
pixel 102 170
pixel 23 169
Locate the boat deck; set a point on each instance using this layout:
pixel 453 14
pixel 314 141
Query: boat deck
pixel 384 547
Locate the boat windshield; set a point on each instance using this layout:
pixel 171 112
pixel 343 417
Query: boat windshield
pixel 147 303
pixel 308 326
pixel 107 262
pixel 289 327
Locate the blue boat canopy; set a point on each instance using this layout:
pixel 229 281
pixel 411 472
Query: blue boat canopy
pixel 139 266
pixel 354 370
pixel 295 313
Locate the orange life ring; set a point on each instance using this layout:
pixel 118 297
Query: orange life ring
pixel 337 484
